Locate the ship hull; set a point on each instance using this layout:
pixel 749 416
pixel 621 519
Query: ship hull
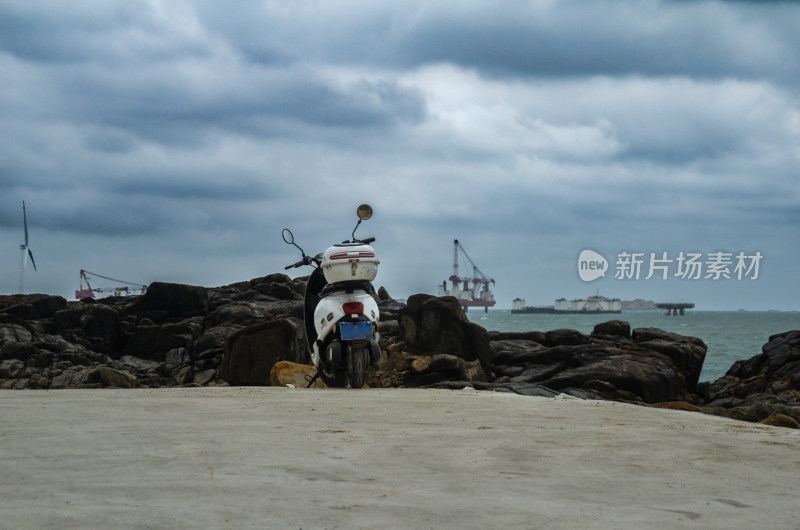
pixel 552 310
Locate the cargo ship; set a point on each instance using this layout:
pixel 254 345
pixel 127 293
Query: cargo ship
pixel 591 305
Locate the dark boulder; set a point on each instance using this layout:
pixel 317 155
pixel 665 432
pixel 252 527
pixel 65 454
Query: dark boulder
pixel 648 375
pixel 251 352
pixel 437 325
pixel 779 359
pixel 765 385
pixel 174 301
pixel 14 332
pixel 278 286
pixel 615 328
pixel 565 337
pixel 515 352
pixel 383 294
pixel 607 364
pixel 92 319
pixel 97 377
pixel 34 306
pixel 18 350
pixel 239 314
pixel 534 336
pixel 152 342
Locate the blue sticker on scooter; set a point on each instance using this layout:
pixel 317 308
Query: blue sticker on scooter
pixel 361 330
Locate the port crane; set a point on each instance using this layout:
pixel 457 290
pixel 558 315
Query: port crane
pixel 479 294
pixel 89 291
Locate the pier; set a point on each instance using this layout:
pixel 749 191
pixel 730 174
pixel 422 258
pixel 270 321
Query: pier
pixel 672 309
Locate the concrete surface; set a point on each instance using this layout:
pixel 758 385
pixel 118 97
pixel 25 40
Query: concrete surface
pixel 393 458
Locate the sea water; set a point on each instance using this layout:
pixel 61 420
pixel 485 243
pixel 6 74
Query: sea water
pixel 729 335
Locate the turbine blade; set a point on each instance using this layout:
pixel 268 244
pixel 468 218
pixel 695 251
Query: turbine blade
pixel 25 221
pixel 32 262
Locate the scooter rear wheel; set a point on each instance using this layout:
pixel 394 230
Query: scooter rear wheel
pixel 357 363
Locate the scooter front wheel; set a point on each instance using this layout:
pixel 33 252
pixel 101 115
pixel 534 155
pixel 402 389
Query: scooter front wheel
pixel 357 363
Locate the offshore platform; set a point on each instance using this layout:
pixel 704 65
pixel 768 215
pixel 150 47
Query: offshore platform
pixel 470 291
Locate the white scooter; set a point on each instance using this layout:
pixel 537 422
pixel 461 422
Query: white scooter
pixel 340 311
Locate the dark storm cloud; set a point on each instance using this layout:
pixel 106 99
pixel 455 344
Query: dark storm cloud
pixel 83 32
pixel 700 39
pixel 654 38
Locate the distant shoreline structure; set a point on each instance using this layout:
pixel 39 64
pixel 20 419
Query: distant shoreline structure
pixel 591 305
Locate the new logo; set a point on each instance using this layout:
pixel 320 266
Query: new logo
pixel 591 265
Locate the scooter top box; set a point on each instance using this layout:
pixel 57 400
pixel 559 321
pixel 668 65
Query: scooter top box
pixel 349 262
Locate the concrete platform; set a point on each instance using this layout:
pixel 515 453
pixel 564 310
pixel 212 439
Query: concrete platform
pixel 296 458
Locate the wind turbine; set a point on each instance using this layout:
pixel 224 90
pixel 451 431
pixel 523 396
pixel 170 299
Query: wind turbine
pixel 26 252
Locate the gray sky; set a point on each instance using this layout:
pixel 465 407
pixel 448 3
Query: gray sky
pixel 173 140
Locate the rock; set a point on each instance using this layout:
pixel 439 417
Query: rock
pixel 514 352
pixel 278 286
pixel 251 352
pixel 214 338
pixel 177 357
pixel 390 312
pixel 153 342
pixel 284 373
pixel 238 314
pixel 679 405
pixel 472 372
pixel 205 377
pixel 398 360
pixel 780 359
pixel 762 386
pixel 421 363
pixel 389 328
pixel 93 319
pixel 532 336
pixel 34 306
pixel 445 363
pixel 565 337
pixel 607 364
pixel 11 368
pixel 529 389
pixel 383 294
pixel 437 325
pixel 174 301
pixel 139 364
pixel 14 333
pixel 648 375
pixel 780 420
pixel 648 334
pixel 542 372
pixel 619 328
pixel 183 375
pixel 18 350
pixel 98 377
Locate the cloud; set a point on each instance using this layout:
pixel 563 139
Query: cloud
pixel 189 133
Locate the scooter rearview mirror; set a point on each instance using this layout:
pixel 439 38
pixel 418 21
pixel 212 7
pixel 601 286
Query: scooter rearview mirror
pixel 288 236
pixel 364 212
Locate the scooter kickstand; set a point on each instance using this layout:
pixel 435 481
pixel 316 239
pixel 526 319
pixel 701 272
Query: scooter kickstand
pixel 313 379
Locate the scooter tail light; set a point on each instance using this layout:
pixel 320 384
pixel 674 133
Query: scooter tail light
pixel 353 308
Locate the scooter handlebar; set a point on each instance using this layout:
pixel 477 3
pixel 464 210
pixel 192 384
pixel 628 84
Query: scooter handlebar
pixel 300 263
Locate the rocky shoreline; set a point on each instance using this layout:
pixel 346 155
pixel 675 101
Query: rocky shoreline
pixel 251 333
